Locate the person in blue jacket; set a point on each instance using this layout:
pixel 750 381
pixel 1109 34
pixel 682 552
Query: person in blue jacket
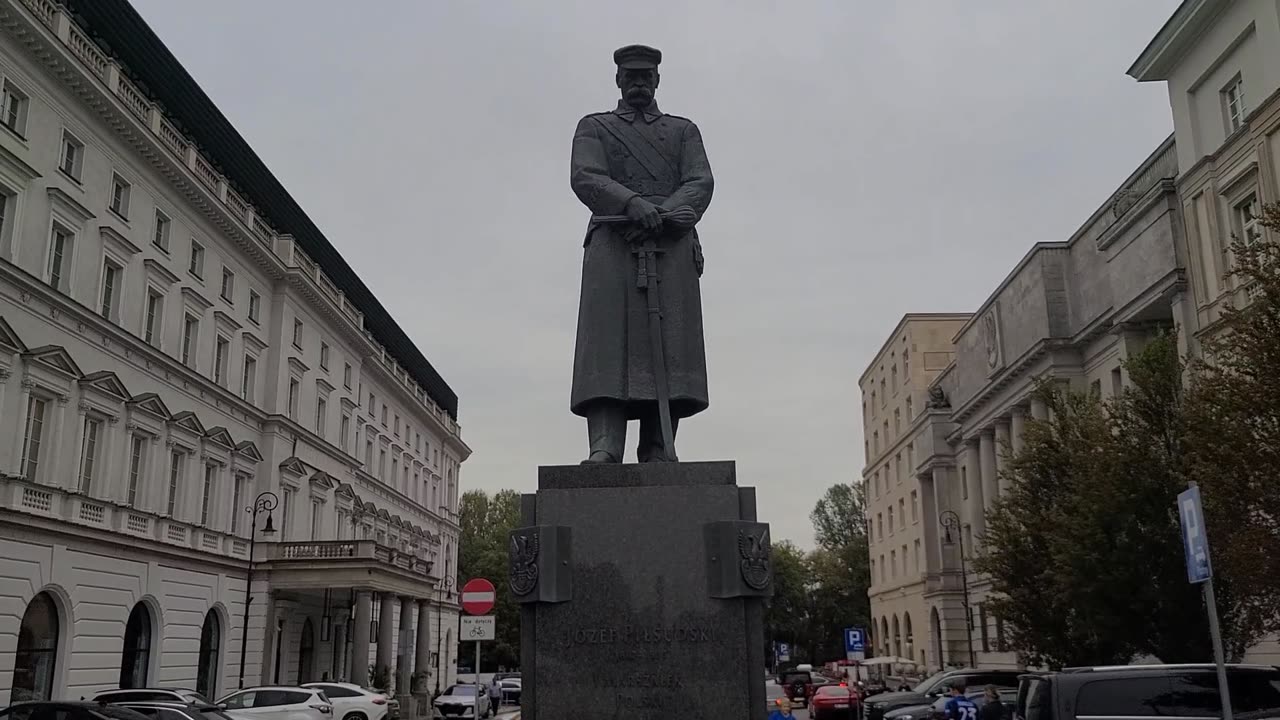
pixel 959 707
pixel 783 712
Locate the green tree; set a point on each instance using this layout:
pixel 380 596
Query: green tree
pixel 786 610
pixel 486 521
pixel 1085 551
pixel 839 517
pixel 838 569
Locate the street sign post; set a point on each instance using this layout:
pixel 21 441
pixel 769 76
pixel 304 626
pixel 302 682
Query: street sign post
pixel 478 597
pixel 855 644
pixel 784 652
pixel 1195 544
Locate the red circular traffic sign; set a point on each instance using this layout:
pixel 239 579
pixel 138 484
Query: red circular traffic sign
pixel 478 596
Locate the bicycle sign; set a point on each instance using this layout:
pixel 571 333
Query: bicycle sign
pixel 477 627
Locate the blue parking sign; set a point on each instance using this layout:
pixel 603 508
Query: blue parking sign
pixel 784 652
pixel 1195 541
pixel 855 640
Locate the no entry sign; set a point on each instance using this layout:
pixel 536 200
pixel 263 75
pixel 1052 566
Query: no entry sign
pixel 478 596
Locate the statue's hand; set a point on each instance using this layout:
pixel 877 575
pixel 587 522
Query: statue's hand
pixel 683 216
pixel 644 213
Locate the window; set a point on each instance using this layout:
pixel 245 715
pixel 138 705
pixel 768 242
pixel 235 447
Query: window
pixel 14 109
pixel 384 414
pixel 897 467
pixel 1247 216
pixel 255 306
pixel 160 236
pixel 297 333
pixel 344 428
pixel 36 408
pixel 915 550
pixel 897 421
pixel 120 196
pixel 891 520
pixel 175 474
pixel 136 457
pixel 964 483
pixel 207 662
pixel 109 308
pixel 904 560
pixel 59 249
pixel 286 509
pixel 395 471
pixel 372 401
pixel 190 331
pixel 915 506
pixel 195 264
pixel 880 526
pixel 368 456
pixel 1000 646
pixel 237 494
pixel 221 355
pixel 322 408
pixel 906 365
pixel 293 399
pixel 382 465
pixel 72 161
pixel 324 356
pixel 315 521
pixel 36 655
pixel 967 533
pixel 1117 382
pixel 155 306
pixel 397 426
pixel 873 570
pixel 893 375
pixel 206 494
pixel 249 379
pixel 228 284
pixel 902 512
pixel 910 414
pixel 346 375
pixel 884 396
pixel 893 563
pixel 1233 101
pixel 89 452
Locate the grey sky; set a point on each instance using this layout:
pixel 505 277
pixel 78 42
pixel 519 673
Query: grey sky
pixel 871 159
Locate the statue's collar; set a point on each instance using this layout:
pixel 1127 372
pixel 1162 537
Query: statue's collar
pixel 628 113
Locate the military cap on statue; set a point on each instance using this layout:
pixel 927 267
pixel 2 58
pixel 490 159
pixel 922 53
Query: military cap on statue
pixel 637 57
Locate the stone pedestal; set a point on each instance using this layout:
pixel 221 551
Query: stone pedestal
pixel 642 590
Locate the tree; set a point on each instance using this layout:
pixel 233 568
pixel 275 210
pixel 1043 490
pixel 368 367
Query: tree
pixel 839 517
pixel 838 569
pixel 786 610
pixel 1085 551
pixel 1234 438
pixel 486 522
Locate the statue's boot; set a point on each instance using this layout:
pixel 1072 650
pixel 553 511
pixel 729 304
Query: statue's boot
pixel 651 447
pixel 607 432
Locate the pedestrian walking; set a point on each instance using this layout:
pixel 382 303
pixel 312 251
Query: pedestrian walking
pixel 992 708
pixel 959 707
pixel 783 711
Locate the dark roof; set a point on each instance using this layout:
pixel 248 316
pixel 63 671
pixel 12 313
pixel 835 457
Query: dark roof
pixel 128 38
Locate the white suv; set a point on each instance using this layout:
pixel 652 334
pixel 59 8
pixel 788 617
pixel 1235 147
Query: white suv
pixel 277 703
pixel 352 702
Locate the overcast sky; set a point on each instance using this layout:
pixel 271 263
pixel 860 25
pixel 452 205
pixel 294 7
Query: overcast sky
pixel 871 159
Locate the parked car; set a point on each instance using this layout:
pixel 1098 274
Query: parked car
pixel 834 702
pixel 352 702
pixel 511 688
pixel 278 703
pixel 179 695
pixel 162 710
pixel 936 686
pixel 937 709
pixel 1138 691
pixel 794 683
pixel 462 701
pixel 45 710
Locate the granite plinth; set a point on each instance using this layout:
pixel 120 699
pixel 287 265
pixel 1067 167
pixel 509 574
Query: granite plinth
pixel 641 635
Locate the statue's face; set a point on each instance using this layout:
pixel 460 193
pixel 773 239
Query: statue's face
pixel 638 86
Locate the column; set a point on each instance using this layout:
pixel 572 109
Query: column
pixel 404 647
pixel 110 440
pixel 269 624
pixel 422 648
pixel 18 412
pixel 929 485
pixel 386 634
pixel 24 399
pixel 987 460
pixel 1002 454
pixel 1018 429
pixel 976 504
pixel 339 652
pixel 360 638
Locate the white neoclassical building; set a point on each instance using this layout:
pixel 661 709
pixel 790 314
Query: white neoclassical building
pixel 179 343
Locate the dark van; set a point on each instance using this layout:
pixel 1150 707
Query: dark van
pixel 1132 692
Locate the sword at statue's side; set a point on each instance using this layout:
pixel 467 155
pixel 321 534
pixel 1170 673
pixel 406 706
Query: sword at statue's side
pixel 647 278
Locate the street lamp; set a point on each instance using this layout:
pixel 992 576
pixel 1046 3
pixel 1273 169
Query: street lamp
pixel 265 502
pixel 951 536
pixel 446 591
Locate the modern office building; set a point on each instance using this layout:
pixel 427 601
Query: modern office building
pixel 898 523
pixel 180 343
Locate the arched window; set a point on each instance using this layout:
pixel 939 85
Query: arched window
pixel 210 649
pixel 306 651
pixel 884 624
pixel 897 637
pixel 908 641
pixel 136 658
pixel 37 654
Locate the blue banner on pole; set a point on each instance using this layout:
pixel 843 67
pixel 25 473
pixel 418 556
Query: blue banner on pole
pixel 1195 540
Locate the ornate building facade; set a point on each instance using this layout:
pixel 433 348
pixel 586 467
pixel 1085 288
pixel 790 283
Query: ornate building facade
pixel 179 343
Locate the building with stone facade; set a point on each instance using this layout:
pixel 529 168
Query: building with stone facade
pixel 898 524
pixel 176 339
pixel 1069 312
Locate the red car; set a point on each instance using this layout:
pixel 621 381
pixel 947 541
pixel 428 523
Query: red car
pixel 834 702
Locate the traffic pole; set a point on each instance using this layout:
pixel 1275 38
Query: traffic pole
pixel 1219 657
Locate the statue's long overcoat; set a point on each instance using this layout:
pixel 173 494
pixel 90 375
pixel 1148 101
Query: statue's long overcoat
pixel 616 156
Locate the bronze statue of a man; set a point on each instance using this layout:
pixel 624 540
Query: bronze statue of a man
pixel 645 177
